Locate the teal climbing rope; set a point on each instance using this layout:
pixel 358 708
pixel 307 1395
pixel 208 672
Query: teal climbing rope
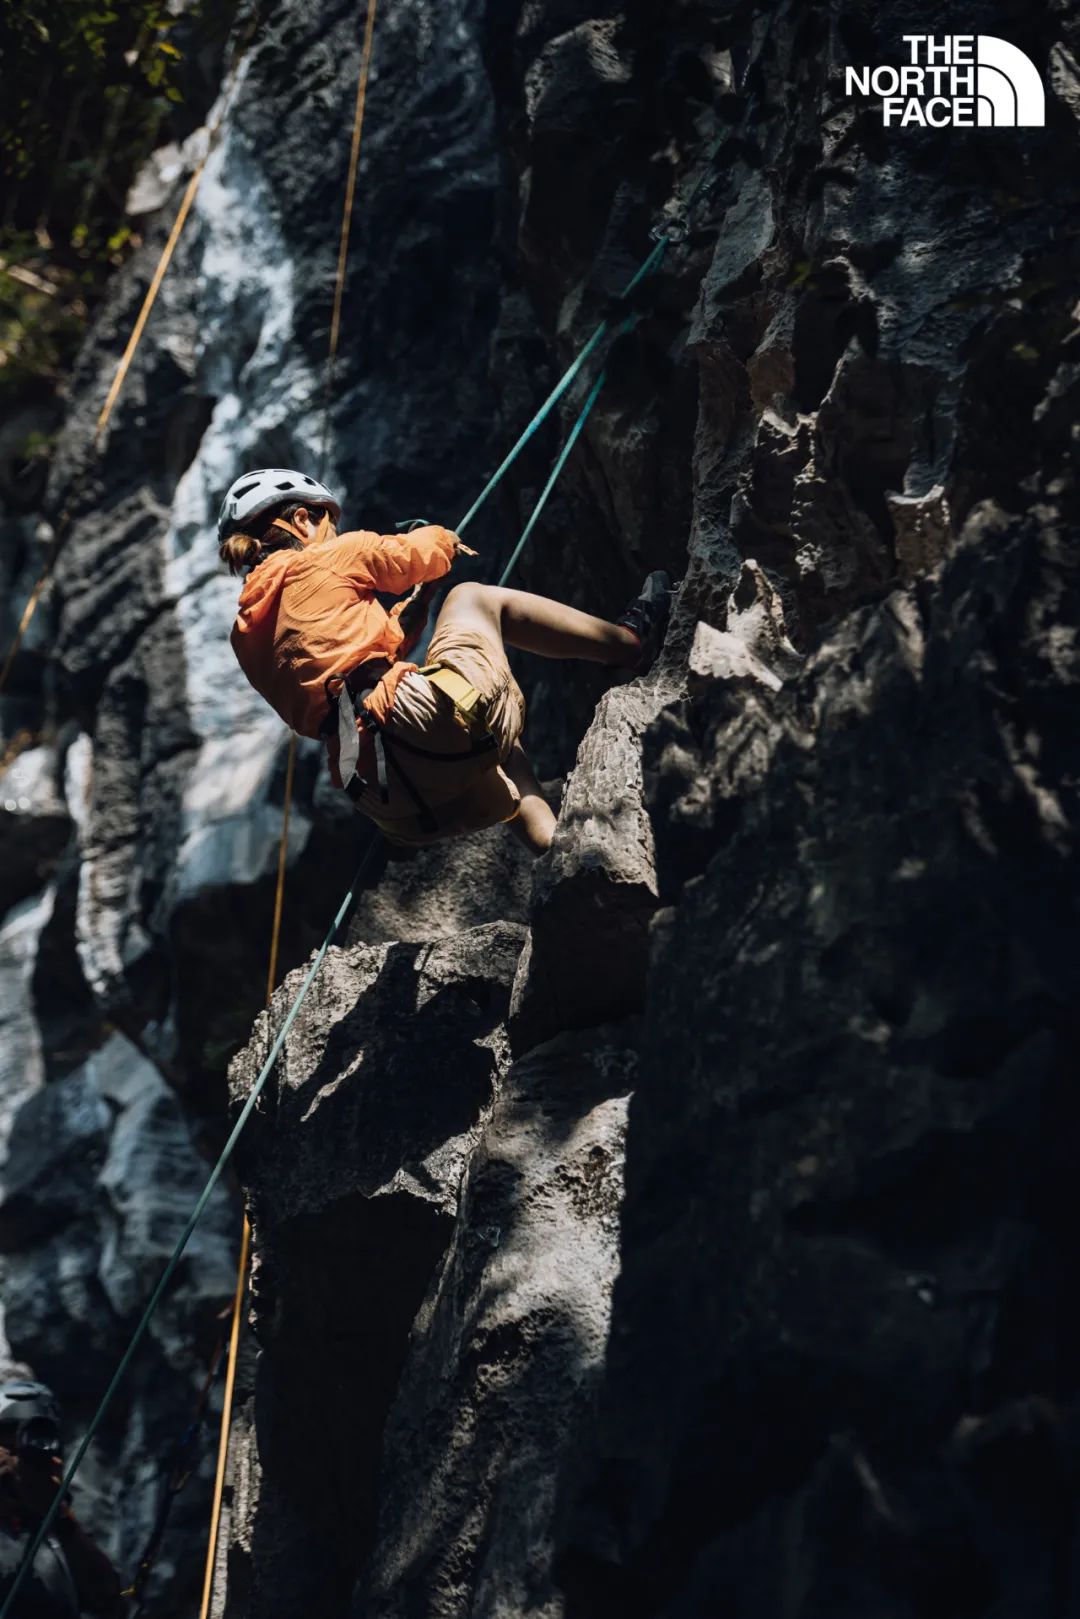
pixel 565 382
pixel 647 267
pixel 564 456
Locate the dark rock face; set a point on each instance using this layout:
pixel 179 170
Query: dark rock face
pixel 98 1179
pixel 839 1373
pixel 594 892
pixel 683 1227
pixel 844 1325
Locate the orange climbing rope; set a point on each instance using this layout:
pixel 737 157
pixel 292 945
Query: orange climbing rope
pixel 28 613
pixel 245 1238
pixel 354 161
pixel 283 854
pixel 156 280
pixel 152 291
pixel 346 220
pixel 174 235
pixel 223 1441
pixel 283 848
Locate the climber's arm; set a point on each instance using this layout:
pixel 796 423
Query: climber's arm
pixel 35 1480
pixel 396 562
pixel 96 1581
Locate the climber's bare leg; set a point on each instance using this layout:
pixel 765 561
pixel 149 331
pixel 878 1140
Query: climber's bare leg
pixel 534 624
pixel 537 624
pixel 534 822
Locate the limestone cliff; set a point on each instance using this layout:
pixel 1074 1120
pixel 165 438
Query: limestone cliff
pixel 683 1227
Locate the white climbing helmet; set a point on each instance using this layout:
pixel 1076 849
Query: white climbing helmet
pixel 255 492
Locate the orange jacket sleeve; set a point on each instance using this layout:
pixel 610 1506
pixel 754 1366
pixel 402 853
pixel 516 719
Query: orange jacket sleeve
pixel 395 562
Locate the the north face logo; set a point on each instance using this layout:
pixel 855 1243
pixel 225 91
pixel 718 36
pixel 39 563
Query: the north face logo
pixel 961 79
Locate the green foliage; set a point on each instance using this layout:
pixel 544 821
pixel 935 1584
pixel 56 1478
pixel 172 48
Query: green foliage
pixel 42 316
pixel 91 88
pixel 78 73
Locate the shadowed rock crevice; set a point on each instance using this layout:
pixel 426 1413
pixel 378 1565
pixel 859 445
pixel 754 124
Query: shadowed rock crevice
pixel 505 1353
pixel 868 1255
pixel 330 1365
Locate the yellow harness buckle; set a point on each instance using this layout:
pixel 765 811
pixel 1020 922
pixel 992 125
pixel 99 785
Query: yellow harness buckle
pixel 464 696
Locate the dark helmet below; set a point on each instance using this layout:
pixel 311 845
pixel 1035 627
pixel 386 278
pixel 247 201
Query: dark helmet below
pixel 34 1412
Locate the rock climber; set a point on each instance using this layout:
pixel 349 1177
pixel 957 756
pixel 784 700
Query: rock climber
pixel 70 1573
pixel 426 753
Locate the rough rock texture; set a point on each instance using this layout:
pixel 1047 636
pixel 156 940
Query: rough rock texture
pixel 509 1344
pixel 792 1333
pixel 141 781
pixel 594 892
pixel 844 1330
pixel 840 1371
pixel 97 1180
pixel 352 1167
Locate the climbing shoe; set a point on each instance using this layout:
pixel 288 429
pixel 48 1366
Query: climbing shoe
pixel 647 617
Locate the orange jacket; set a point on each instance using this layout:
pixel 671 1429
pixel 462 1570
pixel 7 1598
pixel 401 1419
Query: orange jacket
pixel 305 615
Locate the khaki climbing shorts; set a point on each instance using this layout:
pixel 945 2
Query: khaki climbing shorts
pixel 465 796
pixel 484 666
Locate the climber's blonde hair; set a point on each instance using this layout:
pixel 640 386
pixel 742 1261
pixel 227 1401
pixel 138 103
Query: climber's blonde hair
pixel 240 552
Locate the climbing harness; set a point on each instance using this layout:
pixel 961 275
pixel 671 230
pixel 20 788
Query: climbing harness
pixel 650 264
pixel 354 723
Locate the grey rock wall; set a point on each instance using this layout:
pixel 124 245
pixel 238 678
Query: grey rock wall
pixel 142 782
pixel 683 1227
pixel 353 1165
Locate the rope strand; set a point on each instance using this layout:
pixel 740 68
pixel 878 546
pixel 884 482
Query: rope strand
pixel 346 224
pixel 226 1415
pixel 644 269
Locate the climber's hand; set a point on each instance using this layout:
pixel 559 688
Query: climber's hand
pixel 9 1473
pixel 39 1480
pixel 412 523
